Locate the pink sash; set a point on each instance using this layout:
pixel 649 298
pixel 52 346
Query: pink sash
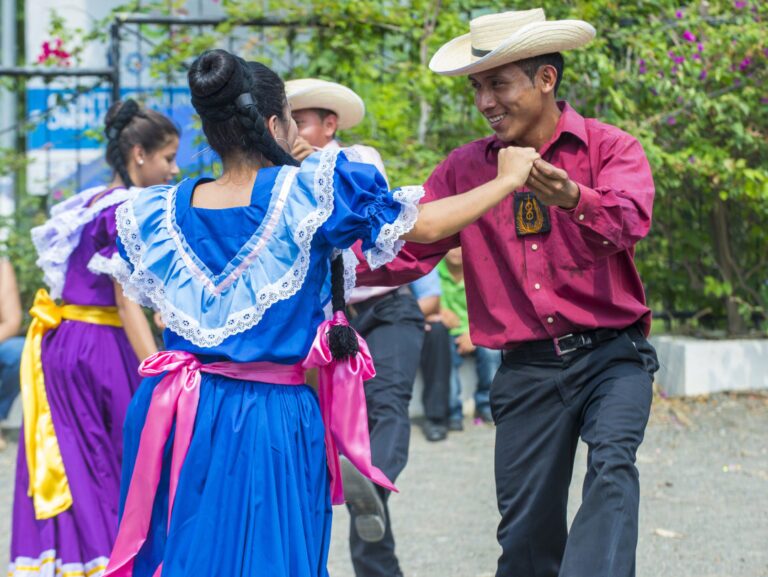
pixel 176 396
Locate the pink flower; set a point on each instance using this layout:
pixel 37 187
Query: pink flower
pixel 679 14
pixel 696 57
pixel 689 36
pixel 671 120
pixel 739 4
pixel 57 194
pixel 703 75
pixel 54 51
pixel 700 47
pixel 676 59
pixel 745 64
pixel 641 68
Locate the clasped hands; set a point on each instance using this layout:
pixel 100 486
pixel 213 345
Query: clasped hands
pixel 551 185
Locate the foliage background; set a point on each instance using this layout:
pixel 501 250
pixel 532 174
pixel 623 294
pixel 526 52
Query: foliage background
pixel 687 79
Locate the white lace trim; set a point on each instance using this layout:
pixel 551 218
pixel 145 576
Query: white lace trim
pixel 350 274
pixel 145 287
pixel 60 235
pixel 388 243
pixel 114 266
pixel 49 565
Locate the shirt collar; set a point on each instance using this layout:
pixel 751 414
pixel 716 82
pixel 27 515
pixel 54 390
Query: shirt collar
pixel 332 145
pixel 570 122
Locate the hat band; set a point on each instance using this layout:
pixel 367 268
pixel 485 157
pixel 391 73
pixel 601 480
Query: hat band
pixel 480 53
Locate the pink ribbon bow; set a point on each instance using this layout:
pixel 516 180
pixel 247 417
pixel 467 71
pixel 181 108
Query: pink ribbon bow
pixel 342 403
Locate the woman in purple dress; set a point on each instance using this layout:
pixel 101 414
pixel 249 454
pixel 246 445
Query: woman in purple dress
pixel 80 361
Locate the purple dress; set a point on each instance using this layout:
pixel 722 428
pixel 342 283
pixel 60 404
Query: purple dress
pixel 90 375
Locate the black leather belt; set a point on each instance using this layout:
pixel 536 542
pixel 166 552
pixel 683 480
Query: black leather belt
pixel 560 346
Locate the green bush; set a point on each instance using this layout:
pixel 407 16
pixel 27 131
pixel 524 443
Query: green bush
pixel 688 80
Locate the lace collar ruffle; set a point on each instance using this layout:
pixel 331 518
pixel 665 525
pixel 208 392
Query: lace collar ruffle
pixel 272 265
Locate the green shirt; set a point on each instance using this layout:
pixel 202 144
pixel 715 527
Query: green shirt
pixel 453 298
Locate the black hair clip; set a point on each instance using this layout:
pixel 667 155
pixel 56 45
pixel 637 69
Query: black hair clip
pixel 245 100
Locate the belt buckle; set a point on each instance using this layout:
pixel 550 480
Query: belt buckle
pixel 560 351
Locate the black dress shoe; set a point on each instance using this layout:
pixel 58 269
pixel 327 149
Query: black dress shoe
pixel 364 501
pixel 434 432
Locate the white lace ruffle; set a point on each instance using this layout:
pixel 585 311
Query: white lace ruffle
pixel 59 236
pixel 388 243
pixel 114 266
pixel 145 287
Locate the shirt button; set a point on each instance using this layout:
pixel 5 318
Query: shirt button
pixel 534 246
pixel 605 243
pixel 550 320
pixel 581 217
pixel 537 286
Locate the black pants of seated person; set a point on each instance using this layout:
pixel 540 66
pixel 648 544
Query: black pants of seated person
pixel 393 327
pixel 542 405
pixel 436 366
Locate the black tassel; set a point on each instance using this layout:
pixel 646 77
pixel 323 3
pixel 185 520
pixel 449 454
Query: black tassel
pixel 342 339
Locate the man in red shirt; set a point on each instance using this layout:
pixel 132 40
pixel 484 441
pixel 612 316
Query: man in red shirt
pixel 551 281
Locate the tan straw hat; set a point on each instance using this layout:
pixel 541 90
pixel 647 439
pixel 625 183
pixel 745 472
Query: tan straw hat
pixel 496 39
pixel 315 93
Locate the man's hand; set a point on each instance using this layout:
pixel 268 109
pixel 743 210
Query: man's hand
pixel 464 345
pixel 301 149
pixel 552 186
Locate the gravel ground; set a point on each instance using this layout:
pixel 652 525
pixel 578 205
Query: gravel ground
pixel 704 506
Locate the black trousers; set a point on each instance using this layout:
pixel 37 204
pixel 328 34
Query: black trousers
pixel 436 366
pixel 393 327
pixel 541 407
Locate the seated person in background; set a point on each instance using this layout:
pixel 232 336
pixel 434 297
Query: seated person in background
pixel 435 358
pixel 453 311
pixel 11 343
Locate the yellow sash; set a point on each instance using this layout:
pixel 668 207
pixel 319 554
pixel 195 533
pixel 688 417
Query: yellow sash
pixel 48 485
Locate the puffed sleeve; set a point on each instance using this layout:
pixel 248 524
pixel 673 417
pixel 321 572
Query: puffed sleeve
pixel 365 209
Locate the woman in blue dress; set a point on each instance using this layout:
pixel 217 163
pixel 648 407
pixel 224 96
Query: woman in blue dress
pixel 229 468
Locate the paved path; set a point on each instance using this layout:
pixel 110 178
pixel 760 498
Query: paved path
pixel 704 509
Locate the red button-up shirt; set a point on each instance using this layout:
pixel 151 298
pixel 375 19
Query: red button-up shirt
pixel 579 276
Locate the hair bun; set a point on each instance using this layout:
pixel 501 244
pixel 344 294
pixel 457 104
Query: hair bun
pixel 119 116
pixel 216 79
pixel 211 72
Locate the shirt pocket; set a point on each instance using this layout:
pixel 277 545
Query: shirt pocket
pixel 568 249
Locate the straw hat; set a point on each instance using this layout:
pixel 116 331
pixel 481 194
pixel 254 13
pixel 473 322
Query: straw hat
pixel 496 39
pixel 315 93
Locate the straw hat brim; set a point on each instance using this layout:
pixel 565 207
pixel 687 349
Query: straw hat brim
pixel 455 58
pixel 342 101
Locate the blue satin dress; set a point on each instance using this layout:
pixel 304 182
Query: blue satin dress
pixel 250 284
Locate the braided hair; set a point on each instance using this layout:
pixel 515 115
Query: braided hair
pixel 234 99
pixel 127 125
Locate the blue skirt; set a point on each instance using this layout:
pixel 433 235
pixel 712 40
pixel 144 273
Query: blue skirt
pixel 253 496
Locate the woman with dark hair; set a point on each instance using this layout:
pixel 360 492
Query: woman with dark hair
pixel 80 360
pixel 229 469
